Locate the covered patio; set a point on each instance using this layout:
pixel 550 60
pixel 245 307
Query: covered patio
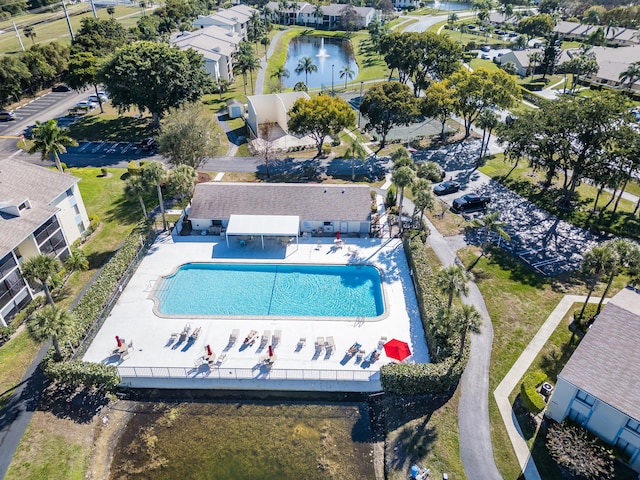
pixel 286 226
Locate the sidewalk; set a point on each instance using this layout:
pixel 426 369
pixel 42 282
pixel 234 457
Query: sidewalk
pixel 510 381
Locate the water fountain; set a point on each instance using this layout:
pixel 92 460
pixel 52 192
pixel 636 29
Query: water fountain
pixel 322 53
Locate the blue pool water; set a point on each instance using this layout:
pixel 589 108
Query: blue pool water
pixel 271 290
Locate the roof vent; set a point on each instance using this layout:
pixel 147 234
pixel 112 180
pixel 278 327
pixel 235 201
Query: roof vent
pixel 343 190
pixel 325 190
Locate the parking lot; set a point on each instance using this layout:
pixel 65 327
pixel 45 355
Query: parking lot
pixel 549 245
pixel 33 110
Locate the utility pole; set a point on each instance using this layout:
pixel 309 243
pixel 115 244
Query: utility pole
pixel 18 35
pixel 93 7
pixel 66 15
pixel 359 102
pixel 332 65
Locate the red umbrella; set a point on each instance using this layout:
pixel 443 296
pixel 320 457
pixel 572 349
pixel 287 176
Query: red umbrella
pixel 338 235
pixel 270 351
pixel 118 341
pixel 208 348
pixel 397 349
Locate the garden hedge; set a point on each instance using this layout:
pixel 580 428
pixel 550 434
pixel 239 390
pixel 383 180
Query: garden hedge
pixel 447 366
pixel 529 395
pixel 89 309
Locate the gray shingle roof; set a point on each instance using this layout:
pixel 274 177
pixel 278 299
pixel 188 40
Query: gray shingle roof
pixel 606 364
pixel 218 200
pixel 20 181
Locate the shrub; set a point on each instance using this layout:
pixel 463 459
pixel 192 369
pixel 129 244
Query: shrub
pixel 589 315
pixel 326 149
pixel 134 169
pixel 64 166
pixel 104 172
pixel 88 375
pixel 390 198
pixel 472 45
pixel 529 395
pixel 578 453
pixel 94 222
pixel 443 374
pixel 20 318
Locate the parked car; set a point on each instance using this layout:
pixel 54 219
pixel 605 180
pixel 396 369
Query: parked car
pixel 500 32
pixel 7 116
pixel 61 88
pixel 485 48
pixel 148 144
pixel 86 104
pixel 103 97
pixel 447 187
pixel 471 203
pixel 484 56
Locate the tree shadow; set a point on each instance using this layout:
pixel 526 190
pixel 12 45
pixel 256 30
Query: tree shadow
pixel 77 405
pixel 122 129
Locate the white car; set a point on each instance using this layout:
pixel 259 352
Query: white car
pixel 86 104
pixel 103 97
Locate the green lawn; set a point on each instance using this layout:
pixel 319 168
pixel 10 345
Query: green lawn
pixel 486 64
pixel 48 31
pixel 527 184
pixel 104 197
pixel 15 356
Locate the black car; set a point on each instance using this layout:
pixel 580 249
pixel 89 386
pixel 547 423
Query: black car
pixel 149 144
pixel 61 88
pixel 471 203
pixel 446 187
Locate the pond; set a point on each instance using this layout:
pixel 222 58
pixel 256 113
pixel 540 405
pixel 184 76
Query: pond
pixel 449 6
pixel 247 440
pixel 330 55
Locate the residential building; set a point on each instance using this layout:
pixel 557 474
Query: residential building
pixel 306 14
pixel 405 3
pixel 612 62
pixel 41 211
pixel 319 208
pixel 216 45
pixel 598 387
pixel 522 59
pixel 235 19
pixel 616 36
pixel 271 108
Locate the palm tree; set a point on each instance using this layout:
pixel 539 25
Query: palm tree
pixel 280 73
pixel 318 13
pixel 506 10
pixel 306 65
pixel 631 75
pixel 490 223
pixel 468 319
pixel 245 61
pixel 463 29
pixel 535 58
pixel 347 73
pixel 182 182
pixel 51 140
pixel 136 188
pixel 51 322
pixel 521 42
pixel 598 261
pixel 452 18
pixel 355 152
pixel 423 198
pixel 29 32
pixel 41 268
pixel 628 254
pixel 76 261
pixel 452 281
pixel 402 177
pixel 153 173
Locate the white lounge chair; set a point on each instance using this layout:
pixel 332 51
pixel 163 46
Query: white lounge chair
pixel 266 336
pixel 277 335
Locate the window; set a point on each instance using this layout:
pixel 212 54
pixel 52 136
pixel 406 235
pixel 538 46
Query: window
pixel 626 447
pixel 633 425
pixel 69 192
pixel 76 209
pixel 585 398
pixel 577 417
pixel 22 206
pixel 7 263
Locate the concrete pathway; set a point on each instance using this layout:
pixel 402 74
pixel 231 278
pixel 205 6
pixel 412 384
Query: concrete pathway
pixel 511 380
pixel 263 63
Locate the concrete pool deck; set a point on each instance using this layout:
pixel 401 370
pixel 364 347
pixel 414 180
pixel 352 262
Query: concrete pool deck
pixel 157 362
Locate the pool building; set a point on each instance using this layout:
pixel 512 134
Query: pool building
pixel 271 315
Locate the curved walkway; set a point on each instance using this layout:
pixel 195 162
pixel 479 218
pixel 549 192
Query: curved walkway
pixel 263 63
pixel 511 379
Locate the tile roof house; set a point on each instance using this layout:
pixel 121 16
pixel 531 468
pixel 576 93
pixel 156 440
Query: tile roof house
pixel 598 387
pixel 41 211
pixel 320 207
pixel 611 63
pixel 520 58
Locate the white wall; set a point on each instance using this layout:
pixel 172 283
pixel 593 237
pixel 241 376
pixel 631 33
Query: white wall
pixel 68 218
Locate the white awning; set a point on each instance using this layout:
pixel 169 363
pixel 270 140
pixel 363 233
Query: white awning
pixel 267 225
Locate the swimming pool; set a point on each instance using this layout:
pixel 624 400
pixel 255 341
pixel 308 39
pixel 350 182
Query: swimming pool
pixel 214 289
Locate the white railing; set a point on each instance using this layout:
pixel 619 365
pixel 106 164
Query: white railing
pixel 263 373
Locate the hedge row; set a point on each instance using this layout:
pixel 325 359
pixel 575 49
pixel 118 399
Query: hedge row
pixel 529 395
pixel 447 366
pixel 88 309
